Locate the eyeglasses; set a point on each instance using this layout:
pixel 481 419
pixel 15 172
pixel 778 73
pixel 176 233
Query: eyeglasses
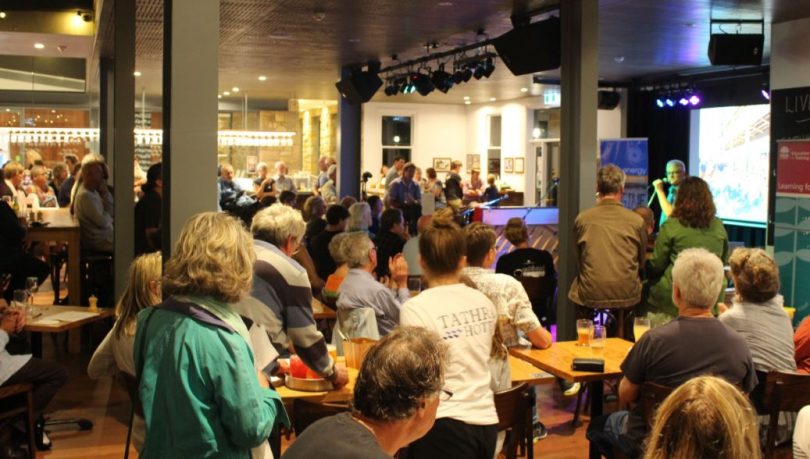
pixel 445 395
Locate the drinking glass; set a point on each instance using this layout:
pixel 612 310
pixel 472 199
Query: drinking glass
pixel 584 331
pixel 598 339
pixel 641 325
pixel 19 300
pixel 31 285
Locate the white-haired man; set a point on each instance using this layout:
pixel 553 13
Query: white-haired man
pixel 611 244
pixel 360 290
pixel 283 183
pixel 281 297
pixel 676 171
pixel 693 344
pixel 93 206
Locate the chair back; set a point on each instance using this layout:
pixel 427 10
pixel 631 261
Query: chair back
pixel 783 392
pixel 354 323
pixel 514 407
pixel 538 287
pixel 131 385
pixel 650 397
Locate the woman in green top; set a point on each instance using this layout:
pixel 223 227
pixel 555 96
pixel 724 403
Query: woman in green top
pixel 200 393
pixel 692 224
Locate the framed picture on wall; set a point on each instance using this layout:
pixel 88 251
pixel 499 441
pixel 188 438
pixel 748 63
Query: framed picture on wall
pixel 508 165
pixel 442 164
pixel 519 165
pixel 473 162
pixel 250 164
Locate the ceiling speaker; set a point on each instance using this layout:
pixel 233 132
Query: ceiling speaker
pixel 531 48
pixel 359 86
pixel 608 100
pixel 736 49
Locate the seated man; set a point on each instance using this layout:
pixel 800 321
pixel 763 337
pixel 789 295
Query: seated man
pixel 15 260
pixel 45 376
pixel 693 344
pixel 281 297
pixel 390 240
pixel 396 397
pixel 93 206
pixel 229 190
pixel 404 193
pixel 360 290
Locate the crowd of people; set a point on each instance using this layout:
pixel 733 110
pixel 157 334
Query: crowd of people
pixel 190 333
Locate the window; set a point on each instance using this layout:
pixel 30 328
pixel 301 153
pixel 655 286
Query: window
pixel 396 138
pixel 494 150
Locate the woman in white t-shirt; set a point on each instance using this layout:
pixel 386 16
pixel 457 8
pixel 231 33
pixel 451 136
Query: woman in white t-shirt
pixel 465 318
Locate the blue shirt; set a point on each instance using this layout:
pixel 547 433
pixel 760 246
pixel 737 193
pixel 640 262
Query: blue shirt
pixel 360 290
pixel 671 194
pixel 401 193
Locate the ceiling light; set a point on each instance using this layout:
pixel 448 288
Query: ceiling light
pixel 659 102
pixel 226 93
pixel 467 102
pixel 618 59
pixel 669 102
pixel 524 89
pixel 235 89
pixel 262 78
pixel 694 100
pixel 2 14
pixel 492 99
pixel 422 84
pixel 683 101
pixel 137 73
pixel 219 96
pixel 765 90
pixel 39 46
pixel 466 97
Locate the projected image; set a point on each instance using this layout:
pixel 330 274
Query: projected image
pixel 733 159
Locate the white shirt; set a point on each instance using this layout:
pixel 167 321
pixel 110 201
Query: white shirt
pixel 284 183
pixel 465 318
pixel 512 302
pixel 801 434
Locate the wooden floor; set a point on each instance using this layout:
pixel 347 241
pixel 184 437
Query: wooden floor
pixel 107 405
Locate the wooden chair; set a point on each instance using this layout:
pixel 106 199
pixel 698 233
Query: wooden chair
pixel 27 408
pixel 783 392
pixel 514 407
pixel 131 385
pixel 540 290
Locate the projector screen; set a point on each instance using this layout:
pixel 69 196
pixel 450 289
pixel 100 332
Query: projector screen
pixel 729 150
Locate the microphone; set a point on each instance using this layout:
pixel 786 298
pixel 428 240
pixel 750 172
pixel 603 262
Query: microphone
pixel 652 195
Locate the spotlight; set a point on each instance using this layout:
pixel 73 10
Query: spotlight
pixel 442 80
pixel 683 101
pixel 488 66
pixel 391 88
pixel 421 82
pixel 669 102
pixel 694 100
pixel 765 90
pixel 659 102
pixel 478 73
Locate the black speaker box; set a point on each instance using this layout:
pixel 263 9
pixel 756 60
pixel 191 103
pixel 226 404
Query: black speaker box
pixel 608 100
pixel 736 49
pixel 359 87
pixel 531 48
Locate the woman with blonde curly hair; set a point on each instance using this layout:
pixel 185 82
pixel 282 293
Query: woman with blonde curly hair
pixel 706 417
pixel 114 354
pixel 693 223
pixel 200 393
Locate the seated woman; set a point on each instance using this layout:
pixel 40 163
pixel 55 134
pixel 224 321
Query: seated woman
pixel 114 354
pixel 359 218
pixel 466 425
pixel 338 253
pixel 801 341
pixel 704 417
pixel 15 261
pixel 757 314
pixel 692 224
pixel 200 392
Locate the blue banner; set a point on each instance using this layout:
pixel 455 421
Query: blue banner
pixel 631 156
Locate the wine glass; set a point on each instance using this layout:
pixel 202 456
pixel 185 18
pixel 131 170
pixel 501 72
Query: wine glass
pixel 31 286
pixel 641 325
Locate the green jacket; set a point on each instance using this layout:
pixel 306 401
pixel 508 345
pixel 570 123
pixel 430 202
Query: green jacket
pixel 198 388
pixel 673 238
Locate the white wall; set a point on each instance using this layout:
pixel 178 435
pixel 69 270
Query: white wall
pixel 438 131
pixel 790 61
pixel 454 131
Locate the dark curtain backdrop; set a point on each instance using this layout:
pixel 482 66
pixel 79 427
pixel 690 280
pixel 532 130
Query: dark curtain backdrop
pixel 668 133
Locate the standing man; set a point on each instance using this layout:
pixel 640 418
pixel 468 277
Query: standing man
pixel 283 183
pixel 474 188
pixel 323 165
pixel 393 172
pixel 65 190
pixel 452 186
pixel 676 171
pixel 611 248
pixel 405 194
pixel 93 206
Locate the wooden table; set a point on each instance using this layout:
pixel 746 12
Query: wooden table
pixel 47 311
pixel 557 360
pixel 321 311
pixel 524 372
pixel 61 226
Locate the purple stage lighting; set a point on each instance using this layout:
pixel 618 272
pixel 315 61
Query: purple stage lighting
pixel 683 101
pixel 694 100
pixel 765 93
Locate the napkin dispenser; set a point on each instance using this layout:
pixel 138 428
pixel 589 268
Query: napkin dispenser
pixel 590 365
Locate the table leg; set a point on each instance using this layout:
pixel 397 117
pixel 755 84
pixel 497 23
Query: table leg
pixel 36 344
pixel 74 272
pixel 596 392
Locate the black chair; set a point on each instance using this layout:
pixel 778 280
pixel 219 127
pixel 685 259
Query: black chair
pixel 97 277
pixel 131 385
pixel 514 407
pixel 783 392
pixel 541 292
pixel 25 407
